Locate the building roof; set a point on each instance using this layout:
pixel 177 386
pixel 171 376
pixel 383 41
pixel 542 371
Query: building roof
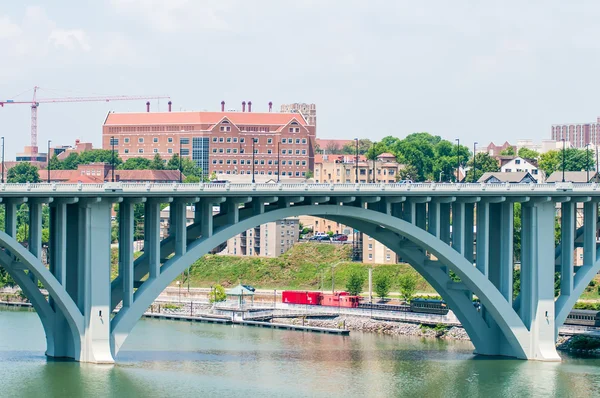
pixel 147 175
pixel 386 155
pixel 573 176
pixel 74 176
pixel 195 118
pixel 239 290
pixel 512 177
pixel 323 143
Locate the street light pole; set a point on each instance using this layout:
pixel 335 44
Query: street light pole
pixel 180 172
pixel 563 161
pixel 587 161
pixel 48 161
pixel 457 158
pixel 356 159
pixel 278 160
pixel 112 159
pixel 373 154
pixel 253 181
pixel 2 160
pixel 474 162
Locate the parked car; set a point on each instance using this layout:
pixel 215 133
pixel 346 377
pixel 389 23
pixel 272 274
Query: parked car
pixel 324 238
pixel 339 238
pixel 405 182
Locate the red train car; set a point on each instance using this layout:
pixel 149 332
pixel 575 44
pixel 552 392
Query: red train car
pixel 301 297
pixel 338 299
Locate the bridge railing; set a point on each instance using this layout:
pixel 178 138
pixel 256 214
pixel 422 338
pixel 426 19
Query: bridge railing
pixel 299 188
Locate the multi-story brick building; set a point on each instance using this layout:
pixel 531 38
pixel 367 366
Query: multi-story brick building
pixel 268 240
pixel 374 252
pixel 342 169
pixel 577 134
pixel 226 142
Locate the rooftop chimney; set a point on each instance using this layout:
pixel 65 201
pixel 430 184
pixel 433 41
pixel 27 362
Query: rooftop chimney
pixel 249 106
pixel 270 106
pixel 170 103
pixel 222 106
pixel 243 106
pixel 148 106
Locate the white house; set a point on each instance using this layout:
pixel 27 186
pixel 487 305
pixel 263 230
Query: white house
pixel 519 164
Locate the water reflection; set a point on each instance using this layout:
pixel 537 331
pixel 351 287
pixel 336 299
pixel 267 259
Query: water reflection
pixel 163 358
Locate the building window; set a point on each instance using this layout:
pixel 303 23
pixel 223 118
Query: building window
pixel 184 141
pixel 114 141
pixel 370 256
pixel 297 140
pixel 170 150
pixel 141 140
pixel 155 150
pixel 185 152
pixel 291 129
pixel 126 150
pixel 140 150
pixel 269 140
pixel 269 151
pixel 234 139
pixel 283 152
pixel 370 246
pixel 126 140
pixel 155 140
pixel 283 141
pixel 228 139
pixel 214 161
pixel 304 151
pixel 228 150
pixel 170 140
pixel 304 140
pixel 297 151
pixel 214 150
pixel 242 140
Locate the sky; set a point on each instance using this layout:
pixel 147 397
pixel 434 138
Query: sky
pixel 478 71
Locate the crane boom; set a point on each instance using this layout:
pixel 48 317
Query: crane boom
pixel 35 102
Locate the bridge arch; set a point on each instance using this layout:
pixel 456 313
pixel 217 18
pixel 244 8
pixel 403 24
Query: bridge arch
pixel 503 334
pixel 61 319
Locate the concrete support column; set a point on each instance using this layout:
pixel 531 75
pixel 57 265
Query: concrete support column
pixel 94 264
pixel 409 212
pixel 567 238
pixel 537 278
pixel 421 215
pixel 501 216
pixel 458 227
pixel 35 232
pixel 152 237
pixel 126 226
pixel 445 222
pixel 590 218
pixel 206 217
pixel 468 231
pixel 180 227
pixel 482 257
pixel 434 219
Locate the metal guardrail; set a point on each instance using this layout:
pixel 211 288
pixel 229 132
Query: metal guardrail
pixel 299 188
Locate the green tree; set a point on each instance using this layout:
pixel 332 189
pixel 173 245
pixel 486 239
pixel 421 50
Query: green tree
pixel 484 163
pixel 99 156
pixel 528 153
pixel 549 162
pixel 70 162
pixel 364 145
pixel 173 163
pixel 136 164
pixel 55 163
pixel 355 282
pixel 408 285
pixel 23 172
pixel 383 284
pixel 510 151
pixel 408 172
pixel 217 294
pixel 157 163
pixel 309 174
pixel 191 180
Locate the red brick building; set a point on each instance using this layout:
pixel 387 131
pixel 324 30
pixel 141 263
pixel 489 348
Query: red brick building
pixel 98 173
pixel 219 142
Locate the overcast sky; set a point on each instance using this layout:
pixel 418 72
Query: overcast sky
pixel 476 70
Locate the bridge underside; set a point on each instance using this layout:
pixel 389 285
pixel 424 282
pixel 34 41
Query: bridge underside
pixel 435 234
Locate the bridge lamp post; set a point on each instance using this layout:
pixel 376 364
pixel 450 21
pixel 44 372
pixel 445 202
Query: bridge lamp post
pixel 356 160
pixel 278 160
pixel 253 142
pixel 180 171
pixel 48 160
pixel 587 161
pixel 112 158
pixel 474 163
pixel 2 160
pixel 457 158
pixel 563 160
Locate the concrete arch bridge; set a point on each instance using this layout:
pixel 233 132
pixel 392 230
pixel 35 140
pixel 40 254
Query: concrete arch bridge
pixel 414 220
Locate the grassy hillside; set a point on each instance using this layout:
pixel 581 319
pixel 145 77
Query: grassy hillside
pixel 305 266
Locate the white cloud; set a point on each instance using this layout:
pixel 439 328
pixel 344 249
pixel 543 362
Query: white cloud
pixel 8 29
pixel 70 39
pixel 176 15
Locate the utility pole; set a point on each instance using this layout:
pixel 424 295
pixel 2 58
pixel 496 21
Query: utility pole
pixel 2 160
pixel 356 160
pixel 112 159
pixel 278 159
pixel 563 161
pixel 180 172
pixel 373 154
pixel 457 159
pixel 48 161
pixel 253 181
pixel 587 161
pixel 474 164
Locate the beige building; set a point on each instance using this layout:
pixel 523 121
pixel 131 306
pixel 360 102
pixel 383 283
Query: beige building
pixel 376 253
pixel 343 169
pixel 267 240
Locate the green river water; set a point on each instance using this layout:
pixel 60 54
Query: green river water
pixel 178 359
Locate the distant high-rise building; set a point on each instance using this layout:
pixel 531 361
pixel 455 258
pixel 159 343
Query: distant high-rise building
pixel 577 134
pixel 309 111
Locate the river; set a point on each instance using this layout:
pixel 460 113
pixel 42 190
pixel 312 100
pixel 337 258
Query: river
pixel 174 359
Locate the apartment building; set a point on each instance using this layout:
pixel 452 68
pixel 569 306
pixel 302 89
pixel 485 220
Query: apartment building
pixel 577 134
pixel 344 169
pixel 374 252
pixel 267 240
